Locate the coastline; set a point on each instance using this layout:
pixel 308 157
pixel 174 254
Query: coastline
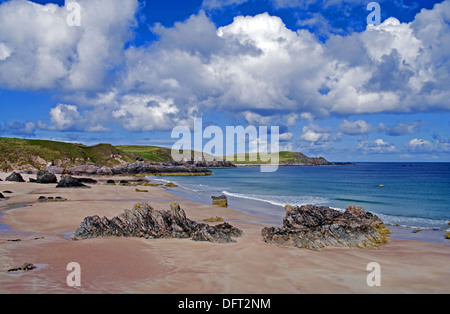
pixel 119 265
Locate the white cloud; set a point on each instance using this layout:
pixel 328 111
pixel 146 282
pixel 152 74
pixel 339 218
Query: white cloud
pixel 401 128
pixel 64 117
pixel 286 136
pixel 41 51
pixel 254 65
pixel 146 113
pixel 355 128
pixel 314 134
pixel 378 146
pixel 5 52
pixel 423 146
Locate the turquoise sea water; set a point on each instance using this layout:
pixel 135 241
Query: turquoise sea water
pixel 414 194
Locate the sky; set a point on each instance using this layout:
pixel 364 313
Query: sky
pixel 132 71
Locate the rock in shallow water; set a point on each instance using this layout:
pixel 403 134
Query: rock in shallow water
pixel 314 227
pixel 145 222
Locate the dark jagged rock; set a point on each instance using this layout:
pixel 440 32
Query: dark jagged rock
pixel 45 177
pixel 32 180
pixel 220 201
pixel 145 222
pixel 149 168
pixel 1 196
pixel 112 182
pixel 314 227
pixel 70 182
pixel 87 180
pixel 15 177
pixel 25 267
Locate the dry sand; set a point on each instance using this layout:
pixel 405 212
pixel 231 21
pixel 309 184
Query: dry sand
pixel 250 266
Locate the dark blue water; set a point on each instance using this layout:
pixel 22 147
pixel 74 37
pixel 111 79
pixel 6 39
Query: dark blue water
pixel 414 194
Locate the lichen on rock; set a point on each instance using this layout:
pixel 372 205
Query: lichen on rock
pixel 315 227
pixel 145 222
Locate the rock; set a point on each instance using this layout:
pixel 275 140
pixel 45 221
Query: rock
pixel 447 235
pixel 314 227
pixel 55 170
pixel 8 192
pixel 32 180
pixel 416 230
pixel 25 267
pixel 84 170
pixel 112 182
pixel 45 177
pixel 171 185
pixel 42 198
pixel 70 182
pixel 220 201
pixel 1 180
pixel 87 180
pixel 1 195
pixel 123 182
pixel 104 171
pixel 145 222
pixel 141 191
pixel 15 177
pixel 214 219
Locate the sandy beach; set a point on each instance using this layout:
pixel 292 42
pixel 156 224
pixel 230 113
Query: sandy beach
pixel 39 233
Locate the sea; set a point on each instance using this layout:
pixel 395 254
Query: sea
pixel 411 195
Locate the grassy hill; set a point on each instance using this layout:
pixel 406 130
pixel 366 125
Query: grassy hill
pixel 22 154
pixel 285 158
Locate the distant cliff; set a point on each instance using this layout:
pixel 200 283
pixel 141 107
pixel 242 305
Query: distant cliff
pixel 285 159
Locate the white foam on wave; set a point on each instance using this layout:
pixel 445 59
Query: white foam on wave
pixel 280 200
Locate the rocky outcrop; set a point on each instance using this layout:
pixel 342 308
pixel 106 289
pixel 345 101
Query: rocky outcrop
pixel 314 227
pixel 130 169
pixel 220 201
pixel 2 196
pixel 70 182
pixel 45 177
pixel 145 222
pixel 25 267
pixel 15 177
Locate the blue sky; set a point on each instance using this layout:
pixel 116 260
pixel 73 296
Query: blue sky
pixel 133 70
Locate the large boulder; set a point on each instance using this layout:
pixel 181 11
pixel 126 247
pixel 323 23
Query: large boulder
pixel 90 169
pixel 220 201
pixel 145 222
pixel 55 170
pixel 1 195
pixel 70 182
pixel 314 227
pixel 15 177
pixel 45 177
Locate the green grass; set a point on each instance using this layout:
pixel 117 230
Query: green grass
pixel 37 153
pixel 154 153
pixel 284 158
pixel 150 153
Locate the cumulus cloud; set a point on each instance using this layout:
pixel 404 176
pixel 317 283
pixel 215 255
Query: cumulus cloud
pixel 401 128
pixel 423 146
pixel 39 50
pixel 64 117
pixel 355 128
pixel 254 66
pixel 378 146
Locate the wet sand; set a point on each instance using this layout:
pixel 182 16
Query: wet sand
pixel 174 266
